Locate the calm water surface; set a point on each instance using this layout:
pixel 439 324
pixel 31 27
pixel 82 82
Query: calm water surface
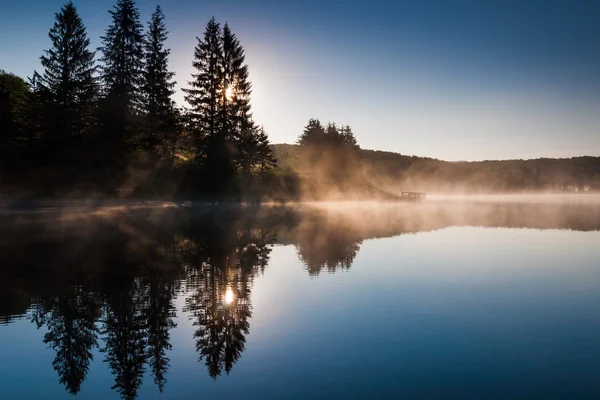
pixel 438 300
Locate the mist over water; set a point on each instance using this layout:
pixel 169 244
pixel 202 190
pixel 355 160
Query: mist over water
pixel 450 297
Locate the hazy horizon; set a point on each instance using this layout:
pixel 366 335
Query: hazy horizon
pixel 461 82
pixel 456 161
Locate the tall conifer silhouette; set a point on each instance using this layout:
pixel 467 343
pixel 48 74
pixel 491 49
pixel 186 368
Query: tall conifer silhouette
pixel 122 70
pixel 205 87
pixel 157 87
pixel 69 74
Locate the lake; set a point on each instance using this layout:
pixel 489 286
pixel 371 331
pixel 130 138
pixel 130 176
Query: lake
pixel 449 298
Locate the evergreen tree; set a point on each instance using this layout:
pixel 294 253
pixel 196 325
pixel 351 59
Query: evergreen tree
pixel 236 118
pixel 227 139
pixel 266 158
pixel 348 138
pixel 332 135
pixel 330 153
pixel 205 86
pixel 157 87
pixel 313 134
pixel 15 96
pixel 213 145
pixel 123 67
pixel 312 142
pixel 68 75
pixel 38 111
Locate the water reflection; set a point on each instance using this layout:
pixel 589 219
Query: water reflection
pixel 109 279
pixel 71 332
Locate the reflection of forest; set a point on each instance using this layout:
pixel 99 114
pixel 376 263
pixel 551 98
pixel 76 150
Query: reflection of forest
pixel 110 283
pixel 108 279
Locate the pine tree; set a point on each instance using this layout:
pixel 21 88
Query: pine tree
pixel 122 69
pixel 236 118
pixel 205 86
pixel 313 134
pixel 157 87
pixel 15 97
pixel 220 113
pixel 332 135
pixel 266 158
pixel 348 138
pixel 68 75
pixel 213 147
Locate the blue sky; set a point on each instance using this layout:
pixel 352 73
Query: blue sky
pixel 464 80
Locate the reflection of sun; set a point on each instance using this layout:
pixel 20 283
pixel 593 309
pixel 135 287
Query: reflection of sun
pixel 229 93
pixel 228 296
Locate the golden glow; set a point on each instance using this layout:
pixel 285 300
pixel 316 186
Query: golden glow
pixel 229 93
pixel 228 296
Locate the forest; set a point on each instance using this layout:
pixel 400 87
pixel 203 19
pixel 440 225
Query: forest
pixel 377 173
pixel 101 123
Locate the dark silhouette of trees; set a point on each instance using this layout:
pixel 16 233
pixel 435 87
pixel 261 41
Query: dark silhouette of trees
pixel 15 99
pixel 125 335
pixel 313 134
pixel 265 156
pixel 159 314
pixel 204 89
pixel 69 78
pixel 319 142
pixel 229 256
pixel 122 72
pixel 214 144
pixel 157 85
pixel 221 310
pixel 227 139
pixel 72 333
pixel 235 117
pixel 78 129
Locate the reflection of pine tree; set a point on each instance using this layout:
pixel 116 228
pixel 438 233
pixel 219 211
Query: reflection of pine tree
pixel 220 337
pixel 159 316
pixel 220 302
pixel 207 306
pixel 125 330
pixel 236 327
pixel 72 334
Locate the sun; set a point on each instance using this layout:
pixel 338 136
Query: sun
pixel 229 93
pixel 228 296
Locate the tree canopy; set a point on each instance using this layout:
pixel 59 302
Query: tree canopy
pixel 111 127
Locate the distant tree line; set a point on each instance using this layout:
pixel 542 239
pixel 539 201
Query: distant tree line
pixel 109 125
pixel 377 173
pixel 570 175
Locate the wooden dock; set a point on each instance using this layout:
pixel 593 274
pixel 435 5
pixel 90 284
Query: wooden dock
pixel 414 196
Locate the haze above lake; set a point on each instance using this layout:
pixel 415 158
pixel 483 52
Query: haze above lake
pixel 446 298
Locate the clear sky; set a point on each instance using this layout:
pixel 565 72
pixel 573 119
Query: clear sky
pixel 456 80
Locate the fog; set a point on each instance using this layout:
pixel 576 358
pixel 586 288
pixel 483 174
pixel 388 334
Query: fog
pixel 364 219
